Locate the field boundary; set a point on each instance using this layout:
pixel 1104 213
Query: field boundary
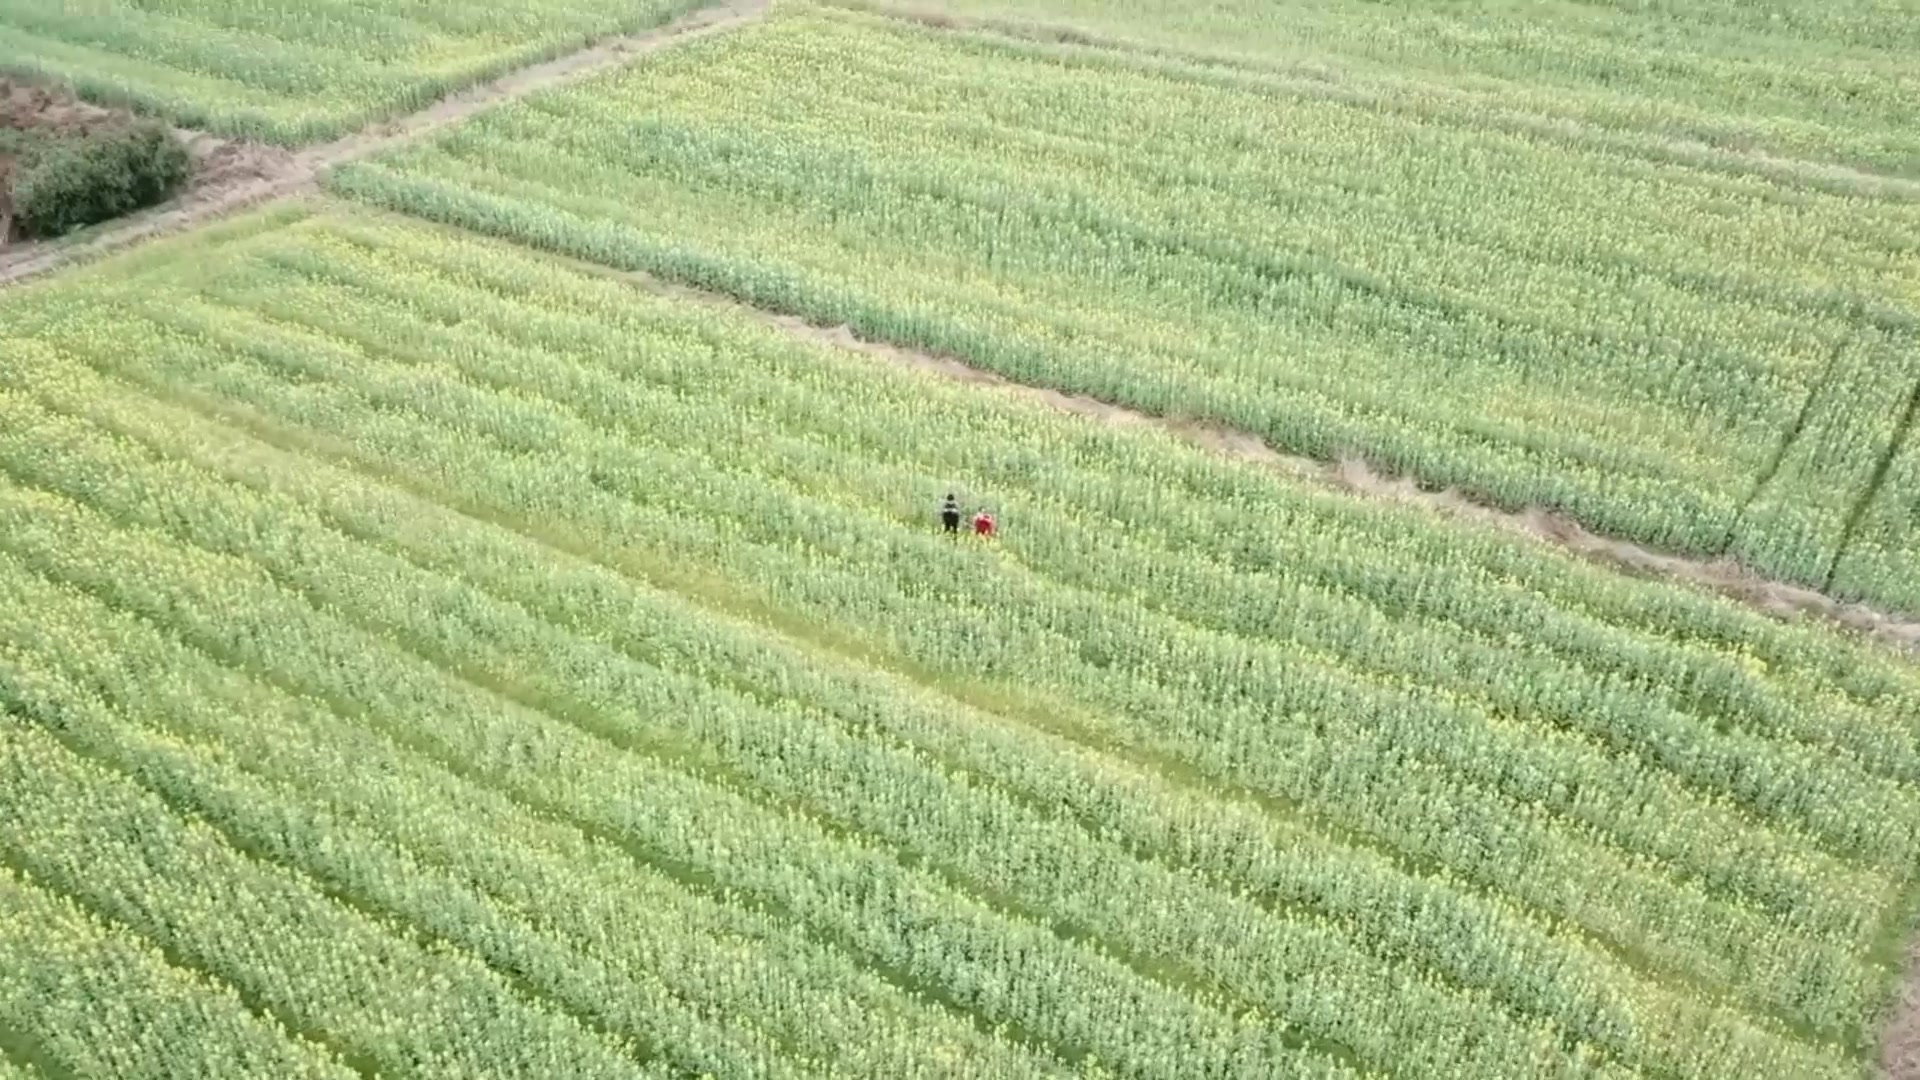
pixel 296 174
pixel 1349 475
pixel 1884 464
pixel 1787 442
pixel 1311 80
pixel 1899 1030
pixel 277 174
pixel 267 175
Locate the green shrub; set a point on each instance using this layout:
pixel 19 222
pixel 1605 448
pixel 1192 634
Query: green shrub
pixel 97 176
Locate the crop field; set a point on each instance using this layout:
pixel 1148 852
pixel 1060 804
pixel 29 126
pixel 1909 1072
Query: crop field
pixel 1712 360
pixel 486 617
pixel 411 612
pixel 1832 81
pixel 296 72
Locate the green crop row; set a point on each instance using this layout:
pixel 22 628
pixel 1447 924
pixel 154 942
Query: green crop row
pixel 1882 554
pixel 295 73
pixel 1820 81
pixel 1334 277
pixel 597 645
pixel 265 932
pixel 699 983
pixel 79 995
pixel 621 774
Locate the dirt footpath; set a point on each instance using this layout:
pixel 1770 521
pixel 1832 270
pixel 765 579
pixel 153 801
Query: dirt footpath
pixel 1900 1033
pixel 27 107
pixel 1357 477
pixel 220 167
pixel 1900 1037
pixel 231 175
pixel 1352 476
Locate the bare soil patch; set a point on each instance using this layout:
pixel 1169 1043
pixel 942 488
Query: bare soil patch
pixel 28 107
pixel 572 67
pixel 223 164
pixel 1320 79
pixel 1357 477
pixel 1900 1035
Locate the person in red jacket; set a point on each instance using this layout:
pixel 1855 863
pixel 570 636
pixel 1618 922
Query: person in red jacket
pixel 983 524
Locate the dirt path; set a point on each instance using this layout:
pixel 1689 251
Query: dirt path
pixel 1355 477
pixel 1314 81
pixel 233 176
pixel 1900 1036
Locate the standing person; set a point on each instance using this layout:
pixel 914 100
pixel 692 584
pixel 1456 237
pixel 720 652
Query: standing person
pixel 983 525
pixel 950 514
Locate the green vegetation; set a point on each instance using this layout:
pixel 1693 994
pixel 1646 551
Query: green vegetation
pixel 65 180
pixel 58 964
pixel 1882 556
pixel 1832 81
pixel 1708 361
pixel 411 609
pixel 427 655
pixel 296 72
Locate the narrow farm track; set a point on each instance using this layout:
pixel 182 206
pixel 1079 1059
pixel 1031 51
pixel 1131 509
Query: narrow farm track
pixel 1899 1040
pixel 1900 1037
pixel 274 174
pixel 1780 452
pixel 281 176
pixel 1315 81
pixel 297 174
pixel 435 355
pixel 1865 502
pixel 1353 476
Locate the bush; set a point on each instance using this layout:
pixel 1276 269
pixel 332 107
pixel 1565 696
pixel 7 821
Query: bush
pixel 98 175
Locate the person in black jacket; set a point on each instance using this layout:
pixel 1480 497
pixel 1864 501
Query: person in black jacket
pixel 950 514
